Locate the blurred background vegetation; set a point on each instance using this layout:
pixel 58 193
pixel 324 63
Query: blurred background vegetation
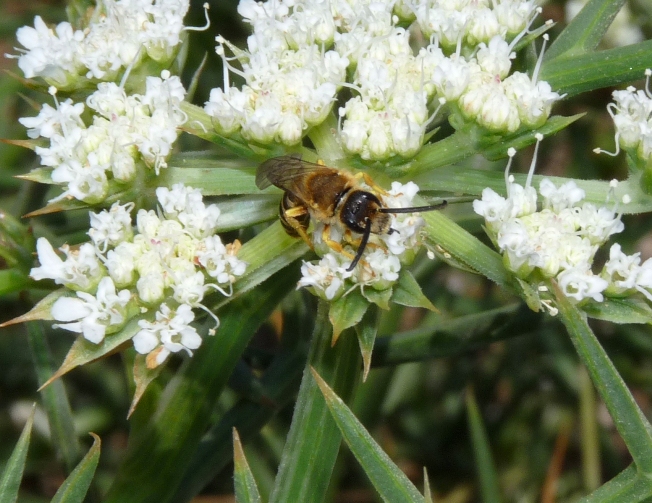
pixel 535 399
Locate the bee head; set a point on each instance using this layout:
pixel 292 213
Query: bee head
pixel 360 206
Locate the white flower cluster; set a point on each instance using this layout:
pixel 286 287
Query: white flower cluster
pixel 120 35
pixel 167 267
pixel 291 81
pixel 632 116
pixel 395 90
pixel 126 132
pixel 559 241
pixel 382 259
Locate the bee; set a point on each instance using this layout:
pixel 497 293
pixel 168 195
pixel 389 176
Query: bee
pixel 331 196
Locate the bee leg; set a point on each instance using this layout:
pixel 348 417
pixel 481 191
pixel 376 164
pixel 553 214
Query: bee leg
pixel 356 242
pixel 370 182
pixel 334 245
pixel 295 221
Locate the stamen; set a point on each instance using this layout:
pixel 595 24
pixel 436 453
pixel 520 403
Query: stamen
pixel 528 181
pixel 511 152
pixel 535 74
pixel 201 28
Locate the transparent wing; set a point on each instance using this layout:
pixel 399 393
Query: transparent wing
pixel 285 171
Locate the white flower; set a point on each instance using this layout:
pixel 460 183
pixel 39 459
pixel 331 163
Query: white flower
pixel 582 284
pixel 120 32
pixel 623 272
pixel 326 277
pixel 120 263
pixel 80 271
pixel 558 199
pixel 109 228
pixel 93 314
pixel 171 332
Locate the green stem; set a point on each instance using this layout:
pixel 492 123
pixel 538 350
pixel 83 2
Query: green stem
pixel 589 432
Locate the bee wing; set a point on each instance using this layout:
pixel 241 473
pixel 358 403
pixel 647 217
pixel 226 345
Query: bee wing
pixel 285 171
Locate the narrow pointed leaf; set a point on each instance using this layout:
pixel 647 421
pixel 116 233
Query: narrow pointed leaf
pixel 314 440
pixel 39 175
pixel 41 311
pixel 467 180
pixel 143 376
pixel 587 72
pixel 390 482
pixel 265 255
pixel 585 31
pixel 628 418
pixel 426 486
pixel 407 292
pixel 13 472
pixel 367 330
pixel 54 398
pixel 246 490
pixel 625 310
pixel 463 246
pixel 482 452
pixel 280 384
pixel 65 205
pixel 463 144
pixel 75 487
pixel 83 351
pixel 346 312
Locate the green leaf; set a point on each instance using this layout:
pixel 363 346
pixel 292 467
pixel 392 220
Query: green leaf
pixel 474 140
pixel 449 337
pixel 379 297
pixel 75 487
pixel 279 383
pixel 619 310
pixel 366 331
pixel 152 468
pixel 530 295
pixel 55 398
pixel 628 418
pixel 587 72
pixel 314 439
pixel 41 311
pixel 390 482
pixel 629 486
pixel 214 177
pixel 585 31
pixel 449 238
pixel 482 452
pixel 39 175
pixel 464 180
pixel 83 351
pixel 143 377
pixel 246 490
pixel 407 292
pixel 246 211
pixel 346 312
pixel 13 472
pixel 266 254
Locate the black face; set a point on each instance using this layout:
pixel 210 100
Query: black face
pixel 358 207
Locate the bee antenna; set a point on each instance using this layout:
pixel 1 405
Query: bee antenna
pixel 363 245
pixel 414 208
